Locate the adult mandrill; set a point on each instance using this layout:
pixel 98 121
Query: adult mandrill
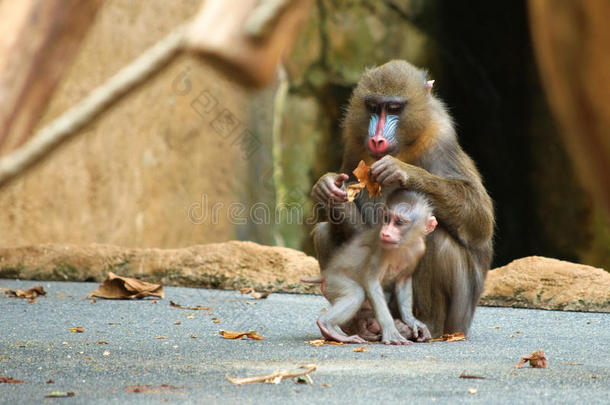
pixel 395 124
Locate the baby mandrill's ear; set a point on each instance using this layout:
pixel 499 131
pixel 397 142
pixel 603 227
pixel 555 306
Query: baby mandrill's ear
pixel 431 224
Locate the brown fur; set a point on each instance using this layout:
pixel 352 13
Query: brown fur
pixel 449 279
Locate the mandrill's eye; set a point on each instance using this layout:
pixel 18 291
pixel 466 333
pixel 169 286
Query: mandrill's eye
pixel 395 108
pixel 371 106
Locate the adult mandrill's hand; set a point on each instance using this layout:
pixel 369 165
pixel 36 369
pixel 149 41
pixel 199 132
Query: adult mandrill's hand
pixel 389 171
pixel 327 189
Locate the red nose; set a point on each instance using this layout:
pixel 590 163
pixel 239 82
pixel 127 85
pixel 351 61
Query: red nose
pixel 378 144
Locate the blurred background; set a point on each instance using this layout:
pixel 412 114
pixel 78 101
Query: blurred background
pixel 195 157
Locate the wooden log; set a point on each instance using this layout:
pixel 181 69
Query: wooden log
pixel 38 40
pixel 571 44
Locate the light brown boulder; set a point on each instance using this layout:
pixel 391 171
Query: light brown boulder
pixel 540 282
pixel 229 265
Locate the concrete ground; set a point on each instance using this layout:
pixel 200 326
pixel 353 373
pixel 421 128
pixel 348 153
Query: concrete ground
pixel 147 342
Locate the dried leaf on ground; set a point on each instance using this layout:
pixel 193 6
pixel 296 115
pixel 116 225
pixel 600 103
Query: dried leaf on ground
pixel 149 389
pixel 9 380
pixel 536 359
pixel 195 308
pixel 360 349
pixel 472 377
pixel 449 337
pixel 227 334
pixel 253 293
pixel 78 329
pixel 472 391
pixel 117 287
pixel 275 377
pixel 320 342
pixel 28 294
pixel 60 394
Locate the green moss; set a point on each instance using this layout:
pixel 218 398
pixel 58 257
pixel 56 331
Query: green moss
pixel 64 271
pixel 11 272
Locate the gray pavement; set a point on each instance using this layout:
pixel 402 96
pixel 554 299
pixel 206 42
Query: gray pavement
pixel 119 348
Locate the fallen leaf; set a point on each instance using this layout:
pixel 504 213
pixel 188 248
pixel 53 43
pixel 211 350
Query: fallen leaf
pixel 194 336
pixel 304 379
pixel 160 337
pixel 195 308
pixel 59 394
pixel 472 391
pixel 106 353
pixel 178 323
pixel 117 287
pixel 430 357
pixel 320 342
pixel 78 329
pixel 216 320
pixel 325 385
pixel 28 294
pixel 274 378
pixel 472 377
pixel 537 359
pixel 9 380
pixel 360 349
pixel 50 382
pixel 239 335
pixel 102 342
pixel 450 337
pixel 254 294
pixel 149 389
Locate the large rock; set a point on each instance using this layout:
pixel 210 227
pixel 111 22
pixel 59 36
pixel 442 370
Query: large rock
pixel 540 282
pixel 228 265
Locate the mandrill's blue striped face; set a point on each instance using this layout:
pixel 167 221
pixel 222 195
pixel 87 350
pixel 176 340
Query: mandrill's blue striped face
pixel 384 117
pixel 389 128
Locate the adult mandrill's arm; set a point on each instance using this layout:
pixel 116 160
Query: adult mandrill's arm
pixel 460 204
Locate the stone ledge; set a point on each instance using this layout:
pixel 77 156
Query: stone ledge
pixel 230 265
pixel 540 282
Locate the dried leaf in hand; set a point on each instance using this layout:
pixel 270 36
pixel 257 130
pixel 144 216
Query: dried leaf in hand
pixel 361 171
pixel 253 293
pixel 363 174
pixel 117 287
pixel 274 378
pixel 195 308
pixel 29 294
pixel 450 337
pixel 353 189
pixel 227 334
pixel 320 342
pixel 78 329
pixel 536 359
pixel 9 380
pixel 360 349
